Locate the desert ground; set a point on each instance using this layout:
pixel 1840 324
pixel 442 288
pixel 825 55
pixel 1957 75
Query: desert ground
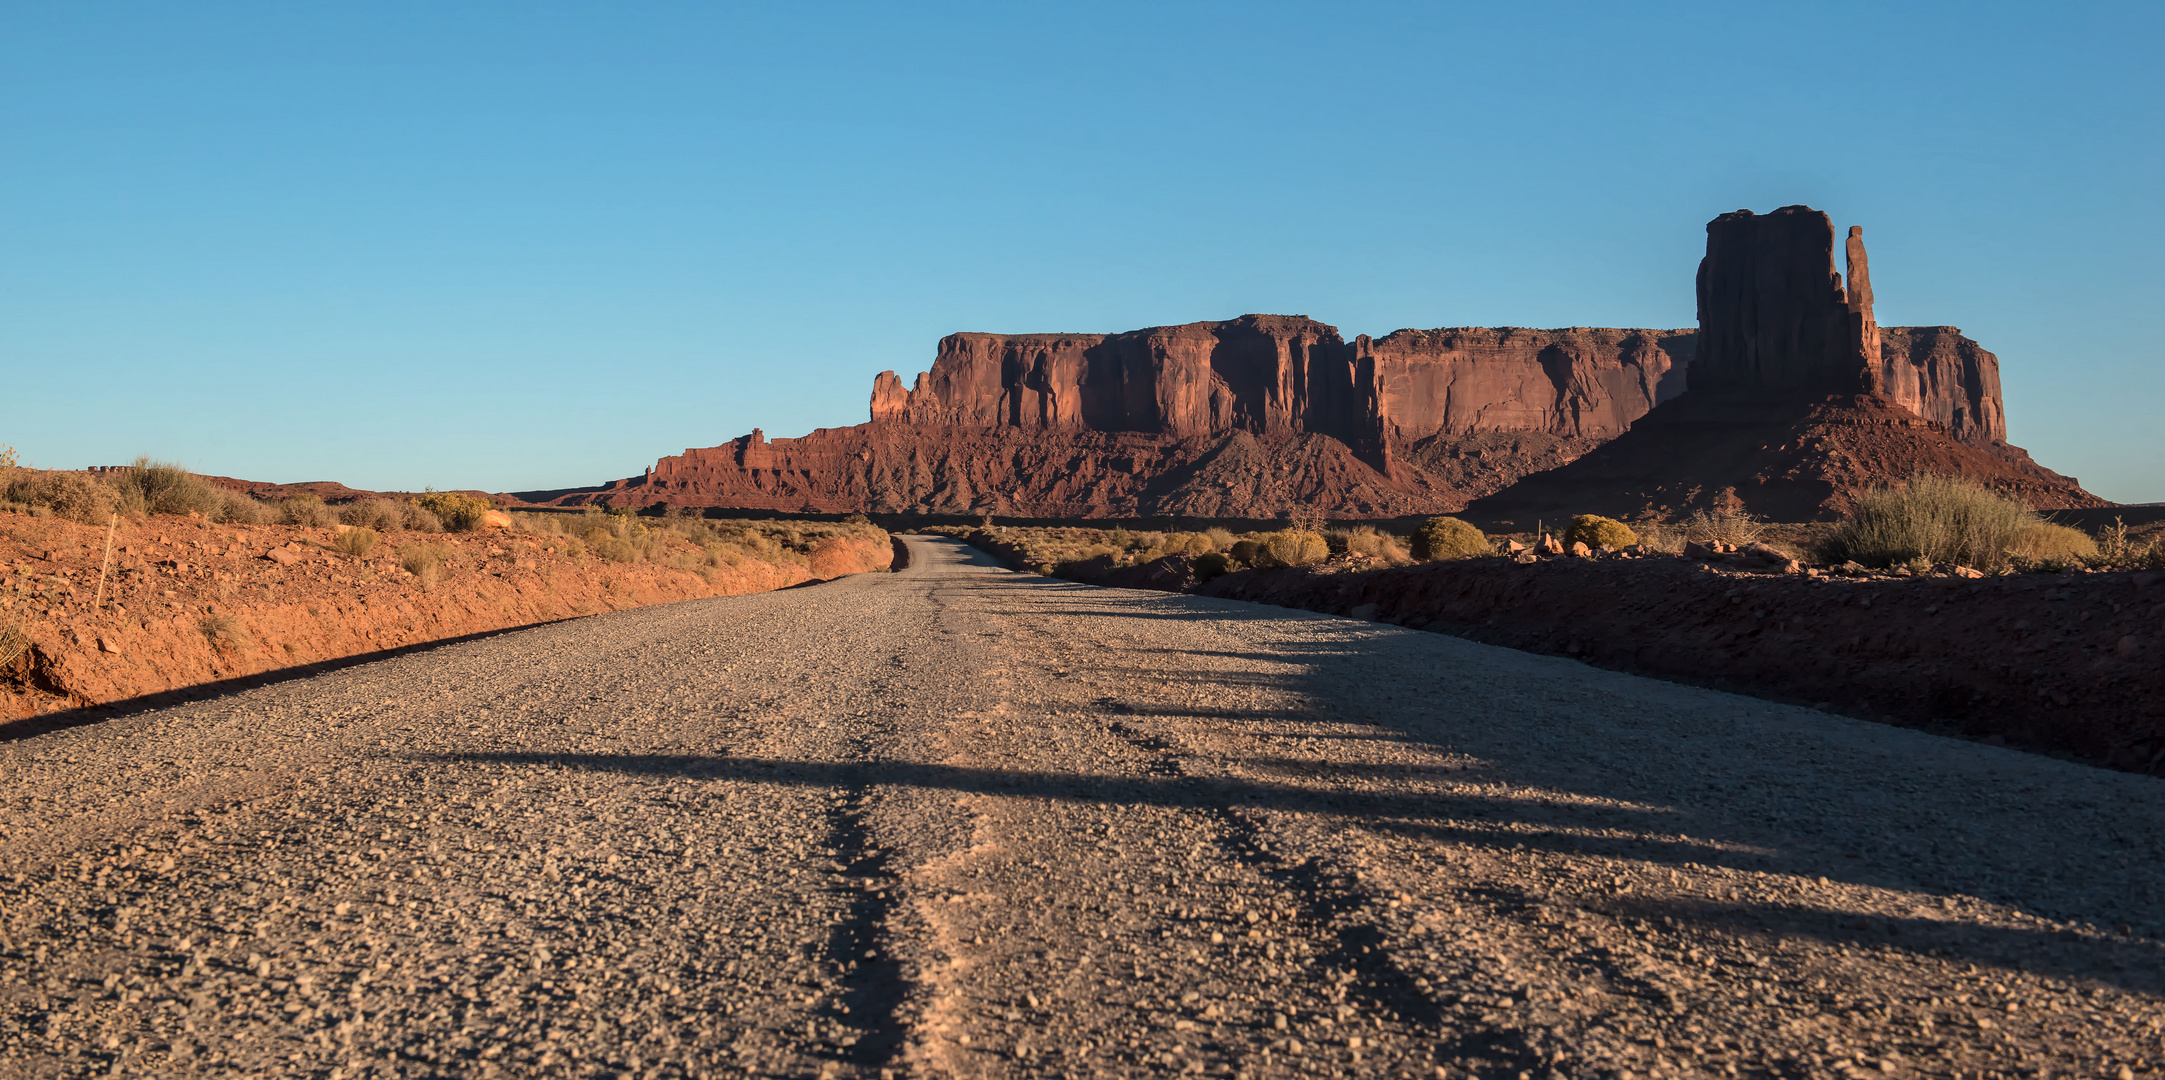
pixel 958 820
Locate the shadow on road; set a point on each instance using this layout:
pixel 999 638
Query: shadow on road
pixel 1506 824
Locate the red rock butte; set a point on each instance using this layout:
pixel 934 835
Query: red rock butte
pixel 1788 400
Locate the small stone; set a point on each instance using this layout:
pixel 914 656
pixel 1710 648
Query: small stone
pixel 2127 646
pixel 108 645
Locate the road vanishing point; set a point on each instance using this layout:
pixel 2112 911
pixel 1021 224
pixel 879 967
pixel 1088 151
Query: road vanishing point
pixel 962 821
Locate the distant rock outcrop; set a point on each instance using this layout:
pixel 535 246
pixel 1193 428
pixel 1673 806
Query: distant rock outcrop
pixel 1254 416
pixel 1799 402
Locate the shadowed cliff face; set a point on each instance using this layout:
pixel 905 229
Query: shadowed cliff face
pixel 1799 401
pixel 1254 416
pixel 1774 318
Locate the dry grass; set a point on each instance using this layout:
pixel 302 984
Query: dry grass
pixel 145 488
pixel 357 541
pixel 686 541
pixel 1369 543
pixel 222 630
pixel 161 487
pixel 13 643
pixel 425 561
pixel 1946 520
pixel 72 495
pixel 2053 547
pixel 307 511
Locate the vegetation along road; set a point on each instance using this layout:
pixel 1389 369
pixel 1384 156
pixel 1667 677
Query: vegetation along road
pixel 962 821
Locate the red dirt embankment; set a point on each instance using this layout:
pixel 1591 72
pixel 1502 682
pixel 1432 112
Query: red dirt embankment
pixel 2072 664
pixel 190 603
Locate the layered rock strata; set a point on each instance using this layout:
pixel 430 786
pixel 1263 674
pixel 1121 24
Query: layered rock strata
pixel 1799 402
pixel 1254 416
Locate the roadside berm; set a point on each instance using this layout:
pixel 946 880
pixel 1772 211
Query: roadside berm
pixel 189 605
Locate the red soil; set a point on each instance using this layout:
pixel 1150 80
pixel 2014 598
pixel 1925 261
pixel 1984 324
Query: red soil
pixel 189 603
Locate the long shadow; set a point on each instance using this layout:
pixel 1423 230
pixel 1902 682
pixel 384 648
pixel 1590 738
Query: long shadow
pixel 1503 823
pixel 31 727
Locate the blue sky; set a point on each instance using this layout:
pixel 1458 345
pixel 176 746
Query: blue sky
pixel 515 246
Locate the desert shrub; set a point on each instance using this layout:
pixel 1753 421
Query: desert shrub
pixel 1220 539
pixel 2060 544
pixel 71 495
pixel 357 541
pixel 1366 541
pixel 235 508
pixel 1733 527
pixel 611 548
pixel 1449 538
pixel 159 487
pixel 420 518
pixel 382 515
pixel 1943 520
pixel 1211 564
pixel 1598 532
pixel 1659 536
pixel 424 561
pixel 457 511
pixel 1184 543
pixel 1245 550
pixel 1291 547
pixel 307 511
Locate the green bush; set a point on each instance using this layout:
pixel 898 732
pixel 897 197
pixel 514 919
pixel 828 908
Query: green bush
pixel 1449 538
pixel 1291 547
pixel 1942 520
pixel 457 511
pixel 1598 532
pixel 1211 564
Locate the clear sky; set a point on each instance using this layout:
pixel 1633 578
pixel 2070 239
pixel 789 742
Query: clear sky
pixel 516 246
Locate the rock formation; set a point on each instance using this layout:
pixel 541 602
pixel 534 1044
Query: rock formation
pixel 1253 416
pixel 1798 401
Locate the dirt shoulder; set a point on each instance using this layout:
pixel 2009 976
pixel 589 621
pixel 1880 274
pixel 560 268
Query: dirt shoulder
pixel 2071 664
pixel 191 604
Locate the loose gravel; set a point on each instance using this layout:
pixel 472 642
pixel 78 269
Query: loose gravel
pixel 962 821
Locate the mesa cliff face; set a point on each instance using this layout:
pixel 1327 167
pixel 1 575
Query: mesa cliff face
pixel 1253 416
pixel 1799 402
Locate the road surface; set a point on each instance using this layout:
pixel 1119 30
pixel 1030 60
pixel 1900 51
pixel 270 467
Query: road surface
pixel 962 821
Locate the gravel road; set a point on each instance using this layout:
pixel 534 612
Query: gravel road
pixel 958 820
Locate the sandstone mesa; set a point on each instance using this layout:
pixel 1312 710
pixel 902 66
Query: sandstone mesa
pixel 1787 400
